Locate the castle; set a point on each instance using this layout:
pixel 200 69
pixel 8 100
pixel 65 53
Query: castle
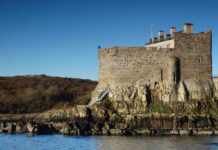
pixel 175 64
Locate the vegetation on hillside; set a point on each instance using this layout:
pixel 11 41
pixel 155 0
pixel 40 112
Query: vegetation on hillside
pixel 31 94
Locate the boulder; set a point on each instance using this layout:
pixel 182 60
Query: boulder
pixel 182 92
pixel 21 128
pixel 66 129
pixel 3 131
pixel 116 132
pixel 11 128
pixel 196 89
pixel 130 98
pixel 30 127
pixel 40 128
pixel 215 81
pixel 98 113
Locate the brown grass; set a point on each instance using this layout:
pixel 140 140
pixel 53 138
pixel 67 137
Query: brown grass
pixel 30 94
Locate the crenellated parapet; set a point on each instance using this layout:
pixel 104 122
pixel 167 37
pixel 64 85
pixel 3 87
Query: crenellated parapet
pixel 121 50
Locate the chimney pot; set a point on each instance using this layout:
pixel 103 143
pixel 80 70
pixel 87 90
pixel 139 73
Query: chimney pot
pixel 160 33
pixel 172 31
pixel 188 28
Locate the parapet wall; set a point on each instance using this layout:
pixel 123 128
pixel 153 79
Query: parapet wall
pixel 129 64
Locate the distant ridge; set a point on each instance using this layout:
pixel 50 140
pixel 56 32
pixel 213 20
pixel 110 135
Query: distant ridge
pixel 37 93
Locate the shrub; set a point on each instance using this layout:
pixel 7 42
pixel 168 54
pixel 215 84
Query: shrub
pixel 160 107
pixel 106 104
pixel 84 100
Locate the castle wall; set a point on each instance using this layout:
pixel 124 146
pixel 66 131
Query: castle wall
pixel 133 76
pixel 194 52
pixel 130 64
pixel 190 58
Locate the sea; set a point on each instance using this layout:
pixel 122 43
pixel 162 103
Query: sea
pixel 59 142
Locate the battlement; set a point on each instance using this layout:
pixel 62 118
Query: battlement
pixel 131 48
pixel 185 54
pixel 122 50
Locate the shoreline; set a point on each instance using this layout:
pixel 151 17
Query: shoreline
pixel 83 120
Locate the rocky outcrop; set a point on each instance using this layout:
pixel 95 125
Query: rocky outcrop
pixel 127 111
pixel 134 97
pixel 198 89
pixel 215 81
pixel 97 120
pixel 130 99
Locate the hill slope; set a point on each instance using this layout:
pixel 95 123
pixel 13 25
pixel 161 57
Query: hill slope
pixel 30 94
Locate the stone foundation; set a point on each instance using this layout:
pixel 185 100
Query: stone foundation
pixel 93 120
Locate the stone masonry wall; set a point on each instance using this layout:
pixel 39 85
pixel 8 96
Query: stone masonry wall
pixel 194 52
pixel 121 64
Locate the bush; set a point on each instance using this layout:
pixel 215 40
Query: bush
pixel 160 107
pixel 106 104
pixel 84 100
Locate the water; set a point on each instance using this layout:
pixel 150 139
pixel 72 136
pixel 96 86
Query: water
pixel 59 142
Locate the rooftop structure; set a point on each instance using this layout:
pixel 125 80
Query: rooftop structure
pixel 167 40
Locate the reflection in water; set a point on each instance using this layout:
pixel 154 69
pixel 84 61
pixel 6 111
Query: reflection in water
pixel 53 142
pixel 157 143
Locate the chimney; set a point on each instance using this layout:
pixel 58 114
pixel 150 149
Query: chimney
pixel 188 28
pixel 150 41
pixel 160 33
pixel 161 36
pixel 172 31
pixel 167 37
pixel 154 40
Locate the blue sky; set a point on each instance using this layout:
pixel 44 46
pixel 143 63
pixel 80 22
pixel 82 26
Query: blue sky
pixel 60 37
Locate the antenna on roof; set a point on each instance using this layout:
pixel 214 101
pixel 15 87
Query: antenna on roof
pixel 152 31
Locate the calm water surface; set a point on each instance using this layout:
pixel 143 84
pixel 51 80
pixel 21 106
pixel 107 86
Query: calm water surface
pixel 57 142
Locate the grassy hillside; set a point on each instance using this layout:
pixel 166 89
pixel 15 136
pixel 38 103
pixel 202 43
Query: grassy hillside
pixel 30 94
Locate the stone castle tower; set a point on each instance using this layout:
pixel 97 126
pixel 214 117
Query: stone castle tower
pixel 177 66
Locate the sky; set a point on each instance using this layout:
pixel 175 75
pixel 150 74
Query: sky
pixel 61 37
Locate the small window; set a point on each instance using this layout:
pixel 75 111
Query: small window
pixel 200 61
pixel 161 75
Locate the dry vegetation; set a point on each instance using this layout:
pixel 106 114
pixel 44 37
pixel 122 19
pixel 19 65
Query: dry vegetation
pixel 30 94
pixel 192 107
